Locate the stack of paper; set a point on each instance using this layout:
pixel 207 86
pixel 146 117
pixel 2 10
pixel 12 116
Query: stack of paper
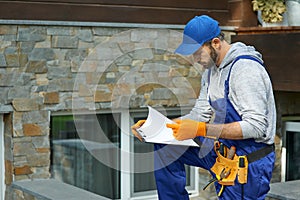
pixel 154 130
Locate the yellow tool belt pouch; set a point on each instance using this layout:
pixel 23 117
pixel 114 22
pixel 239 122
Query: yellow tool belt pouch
pixel 243 170
pixel 227 169
pixel 223 166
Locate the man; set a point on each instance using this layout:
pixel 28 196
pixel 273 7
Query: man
pixel 235 106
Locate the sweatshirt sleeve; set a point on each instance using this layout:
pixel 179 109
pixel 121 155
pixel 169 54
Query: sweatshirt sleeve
pixel 249 89
pixel 201 111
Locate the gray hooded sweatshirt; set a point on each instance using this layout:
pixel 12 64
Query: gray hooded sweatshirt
pixel 250 92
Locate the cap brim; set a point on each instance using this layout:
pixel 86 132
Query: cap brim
pixel 187 49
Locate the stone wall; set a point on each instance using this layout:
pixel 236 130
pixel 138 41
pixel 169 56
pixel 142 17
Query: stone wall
pixel 46 69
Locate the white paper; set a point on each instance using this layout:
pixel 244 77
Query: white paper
pixel 154 130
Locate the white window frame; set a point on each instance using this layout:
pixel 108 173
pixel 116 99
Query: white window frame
pixel 2 160
pixel 126 178
pixel 289 125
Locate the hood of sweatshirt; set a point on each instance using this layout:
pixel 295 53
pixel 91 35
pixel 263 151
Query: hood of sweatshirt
pixel 238 49
pixel 220 74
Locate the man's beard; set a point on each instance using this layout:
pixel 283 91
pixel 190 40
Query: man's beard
pixel 213 57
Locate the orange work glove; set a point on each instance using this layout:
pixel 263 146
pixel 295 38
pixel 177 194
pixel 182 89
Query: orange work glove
pixel 136 126
pixel 187 129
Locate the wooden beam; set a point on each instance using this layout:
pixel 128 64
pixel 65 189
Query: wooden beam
pixel 196 4
pixel 124 13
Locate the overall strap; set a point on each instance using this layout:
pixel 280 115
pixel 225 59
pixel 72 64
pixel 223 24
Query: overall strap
pixel 229 73
pixel 226 85
pixel 243 57
pixel 235 60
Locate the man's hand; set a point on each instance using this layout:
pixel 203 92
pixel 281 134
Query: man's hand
pixel 187 129
pixel 136 126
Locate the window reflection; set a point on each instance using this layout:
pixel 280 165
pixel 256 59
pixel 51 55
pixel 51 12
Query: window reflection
pixel 72 163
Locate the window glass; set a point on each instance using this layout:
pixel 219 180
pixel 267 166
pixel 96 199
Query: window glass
pixel 293 155
pixel 140 185
pixel 72 163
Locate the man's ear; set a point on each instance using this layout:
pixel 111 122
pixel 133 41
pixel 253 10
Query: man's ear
pixel 216 43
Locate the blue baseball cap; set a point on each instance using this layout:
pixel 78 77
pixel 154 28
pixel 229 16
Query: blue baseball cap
pixel 197 31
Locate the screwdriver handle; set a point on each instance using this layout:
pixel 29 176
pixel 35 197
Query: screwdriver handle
pixel 231 152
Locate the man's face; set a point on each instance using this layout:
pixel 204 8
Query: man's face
pixel 206 56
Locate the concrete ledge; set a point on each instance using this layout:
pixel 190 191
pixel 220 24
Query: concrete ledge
pixel 285 190
pixel 94 24
pixel 50 189
pixel 99 24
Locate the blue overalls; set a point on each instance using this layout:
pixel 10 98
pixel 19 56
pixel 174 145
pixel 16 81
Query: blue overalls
pixel 169 160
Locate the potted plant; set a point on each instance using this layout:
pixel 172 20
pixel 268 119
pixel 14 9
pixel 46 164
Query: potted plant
pixel 270 11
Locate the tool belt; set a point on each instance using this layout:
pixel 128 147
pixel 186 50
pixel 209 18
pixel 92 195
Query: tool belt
pixel 230 166
pixel 225 168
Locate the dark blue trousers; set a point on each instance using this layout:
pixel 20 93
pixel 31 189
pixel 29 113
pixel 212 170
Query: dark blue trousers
pixel 170 174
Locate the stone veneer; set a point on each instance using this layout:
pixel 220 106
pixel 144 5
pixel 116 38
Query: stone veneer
pixel 45 69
